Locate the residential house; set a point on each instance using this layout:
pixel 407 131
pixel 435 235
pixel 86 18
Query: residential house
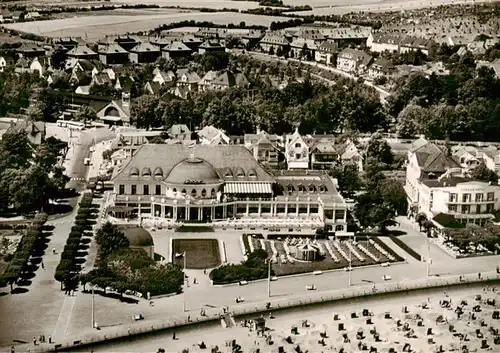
pixel 251 38
pixel 264 147
pixel 206 81
pixel 32 15
pixel 323 154
pixel 326 53
pixel 349 154
pixel 175 50
pixel 83 90
pixel 90 67
pixel 229 79
pixel 301 47
pixel 152 88
pixel 30 50
pixel 22 65
pixel 296 151
pixel 381 67
pixel 353 60
pixel 126 42
pixel 187 79
pixel 144 53
pixel 274 41
pixel 67 43
pixel 211 46
pixel 5 62
pixel 379 42
pixel 160 41
pixel 35 130
pixel 192 42
pixel 345 36
pixel 162 77
pixel 112 53
pixel 409 43
pixel 80 78
pixel 124 84
pixel 16 15
pixel 469 157
pixel 82 52
pixel 117 112
pixel 5 16
pixel 210 135
pixel 494 65
pixel 101 79
pixel 179 132
pixel 426 161
pixel 181 92
pixel 491 158
pixel 40 65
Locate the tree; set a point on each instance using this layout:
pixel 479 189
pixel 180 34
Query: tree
pixel 371 210
pixel 392 192
pixel 411 121
pixel 482 172
pixel 420 219
pixel 85 114
pixel 214 61
pixel 379 149
pixel 348 179
pixel 143 112
pixel 110 238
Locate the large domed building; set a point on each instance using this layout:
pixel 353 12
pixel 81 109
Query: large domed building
pixel 221 182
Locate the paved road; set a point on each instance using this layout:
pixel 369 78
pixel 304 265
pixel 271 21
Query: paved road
pixel 266 57
pixel 44 309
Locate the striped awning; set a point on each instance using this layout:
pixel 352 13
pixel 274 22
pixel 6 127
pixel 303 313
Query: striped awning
pixel 248 188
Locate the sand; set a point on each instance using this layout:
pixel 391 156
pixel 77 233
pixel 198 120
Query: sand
pixel 394 332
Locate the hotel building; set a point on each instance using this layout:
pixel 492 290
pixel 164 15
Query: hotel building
pixel 213 183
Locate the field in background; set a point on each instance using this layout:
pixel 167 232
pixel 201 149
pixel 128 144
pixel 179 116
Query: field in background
pixel 95 27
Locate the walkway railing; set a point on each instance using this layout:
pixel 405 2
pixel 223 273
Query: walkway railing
pixel 310 298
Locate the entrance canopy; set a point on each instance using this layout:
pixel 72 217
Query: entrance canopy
pixel 248 188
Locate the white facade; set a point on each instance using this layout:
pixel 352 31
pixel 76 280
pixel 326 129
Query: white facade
pixel 296 152
pixel 469 202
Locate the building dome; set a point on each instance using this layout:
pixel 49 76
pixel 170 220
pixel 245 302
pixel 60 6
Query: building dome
pixel 138 236
pixel 193 170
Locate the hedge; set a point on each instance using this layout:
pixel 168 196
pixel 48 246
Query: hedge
pixel 406 248
pixel 253 268
pixel 68 264
pixel 26 247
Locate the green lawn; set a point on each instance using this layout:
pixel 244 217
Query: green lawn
pixel 200 253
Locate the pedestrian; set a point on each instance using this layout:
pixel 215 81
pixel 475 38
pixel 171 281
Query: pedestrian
pixel 498 269
pixel 50 339
pixel 189 318
pixel 34 341
pixel 53 250
pixel 174 337
pixel 128 331
pixel 479 275
pixel 194 280
pixel 43 266
pixel 205 271
pixel 12 349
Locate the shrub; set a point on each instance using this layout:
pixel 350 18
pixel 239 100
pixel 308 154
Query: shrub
pixel 253 268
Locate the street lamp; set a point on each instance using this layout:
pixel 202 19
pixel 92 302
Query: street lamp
pixel 350 264
pixel 93 307
pixel 428 256
pixel 269 278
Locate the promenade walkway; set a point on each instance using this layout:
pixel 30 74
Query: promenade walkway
pixel 141 327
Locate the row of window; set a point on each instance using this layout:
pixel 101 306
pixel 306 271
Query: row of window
pixel 467 209
pixel 479 197
pixel 158 191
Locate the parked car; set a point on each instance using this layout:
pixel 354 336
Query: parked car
pixel 311 287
